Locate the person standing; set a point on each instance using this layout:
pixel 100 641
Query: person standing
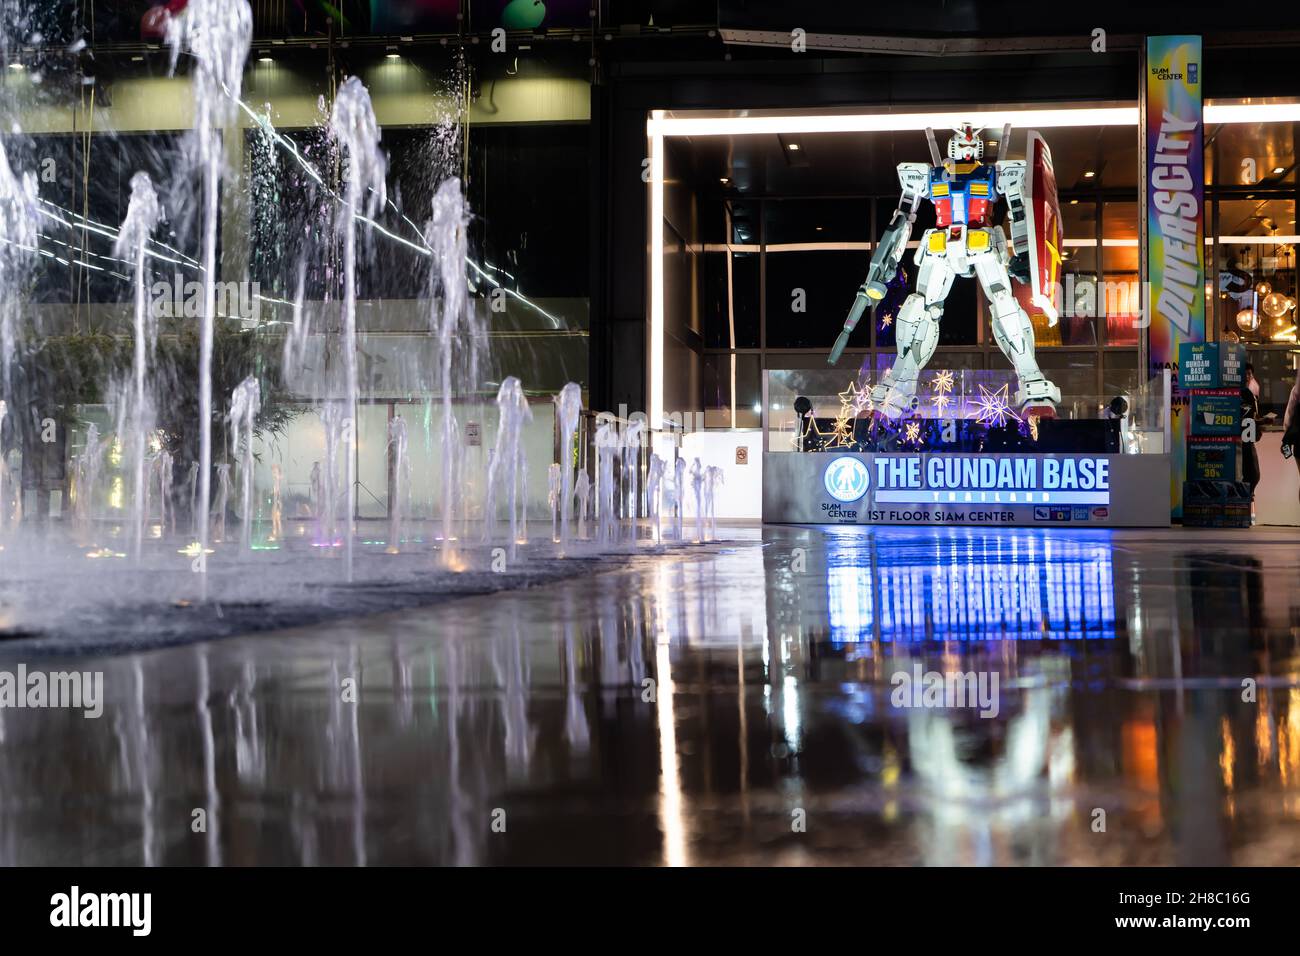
pixel 1291 423
pixel 1249 453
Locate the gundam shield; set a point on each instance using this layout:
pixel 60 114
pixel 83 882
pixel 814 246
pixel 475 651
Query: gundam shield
pixel 1043 222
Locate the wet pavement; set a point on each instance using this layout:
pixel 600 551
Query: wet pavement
pixel 747 701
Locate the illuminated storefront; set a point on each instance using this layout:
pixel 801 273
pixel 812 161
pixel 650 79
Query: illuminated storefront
pixel 766 220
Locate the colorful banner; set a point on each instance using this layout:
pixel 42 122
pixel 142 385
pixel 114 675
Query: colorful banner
pixel 1175 217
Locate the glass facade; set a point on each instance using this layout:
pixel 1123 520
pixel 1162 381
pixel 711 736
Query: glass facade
pixel 797 259
pixel 519 143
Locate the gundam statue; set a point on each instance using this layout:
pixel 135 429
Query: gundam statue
pixel 964 242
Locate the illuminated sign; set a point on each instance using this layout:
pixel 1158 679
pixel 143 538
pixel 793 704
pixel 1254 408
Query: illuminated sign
pixel 989 479
pixel 970 479
pixel 846 479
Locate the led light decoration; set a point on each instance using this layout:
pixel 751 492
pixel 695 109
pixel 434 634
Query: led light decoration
pixel 853 397
pixel 841 432
pixel 941 385
pixel 993 408
pixel 810 430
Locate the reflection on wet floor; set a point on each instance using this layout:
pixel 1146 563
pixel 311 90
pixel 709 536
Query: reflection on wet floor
pixel 729 704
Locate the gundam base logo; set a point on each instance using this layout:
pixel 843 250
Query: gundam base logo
pixel 846 479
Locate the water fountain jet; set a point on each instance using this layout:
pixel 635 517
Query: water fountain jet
pixel 143 213
pixel 353 124
pixel 217 33
pixel 568 408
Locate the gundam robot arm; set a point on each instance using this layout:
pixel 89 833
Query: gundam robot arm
pixel 915 180
pixel 1011 183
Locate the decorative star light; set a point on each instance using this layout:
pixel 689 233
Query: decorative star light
pixel 886 321
pixel 941 384
pixel 853 396
pixel 842 431
pixel 941 402
pixel 912 433
pixel 810 430
pixel 993 408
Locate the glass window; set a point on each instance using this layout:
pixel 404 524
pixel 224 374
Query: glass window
pixel 1119 296
pixel 816 257
pixel 725 375
pixel 729 299
pixel 1257 270
pixel 1276 371
pixel 1251 154
pixel 283 227
pixel 82 266
pixel 808 296
pixel 819 221
pixel 529 195
pixel 1078 324
pixel 1120 373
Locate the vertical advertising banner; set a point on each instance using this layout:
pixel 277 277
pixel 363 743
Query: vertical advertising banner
pixel 1175 217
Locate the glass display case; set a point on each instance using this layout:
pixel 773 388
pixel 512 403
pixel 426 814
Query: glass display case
pixel 957 410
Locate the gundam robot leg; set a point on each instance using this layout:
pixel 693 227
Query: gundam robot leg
pixel 1015 336
pixel 916 334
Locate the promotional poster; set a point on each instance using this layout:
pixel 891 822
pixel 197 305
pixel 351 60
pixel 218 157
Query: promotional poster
pixel 1175 216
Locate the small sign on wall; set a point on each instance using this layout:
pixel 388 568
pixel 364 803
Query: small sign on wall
pixel 473 435
pixel 742 454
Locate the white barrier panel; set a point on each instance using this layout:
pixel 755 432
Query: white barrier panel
pixel 740 495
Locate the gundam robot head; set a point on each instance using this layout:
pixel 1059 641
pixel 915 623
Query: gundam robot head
pixel 966 146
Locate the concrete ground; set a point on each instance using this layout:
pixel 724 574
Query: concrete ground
pixel 788 695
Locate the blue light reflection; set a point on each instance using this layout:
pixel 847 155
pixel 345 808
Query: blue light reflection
pixel 899 585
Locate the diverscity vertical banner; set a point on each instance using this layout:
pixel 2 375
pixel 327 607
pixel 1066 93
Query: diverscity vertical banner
pixel 1175 219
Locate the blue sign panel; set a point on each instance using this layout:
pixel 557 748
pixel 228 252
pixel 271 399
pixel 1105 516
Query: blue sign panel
pixel 1211 365
pixel 992 479
pixel 1216 416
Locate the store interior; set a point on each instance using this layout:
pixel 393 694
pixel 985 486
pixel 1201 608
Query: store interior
pixel 767 235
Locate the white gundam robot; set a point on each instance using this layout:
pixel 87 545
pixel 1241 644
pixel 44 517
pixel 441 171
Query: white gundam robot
pixel 964 191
